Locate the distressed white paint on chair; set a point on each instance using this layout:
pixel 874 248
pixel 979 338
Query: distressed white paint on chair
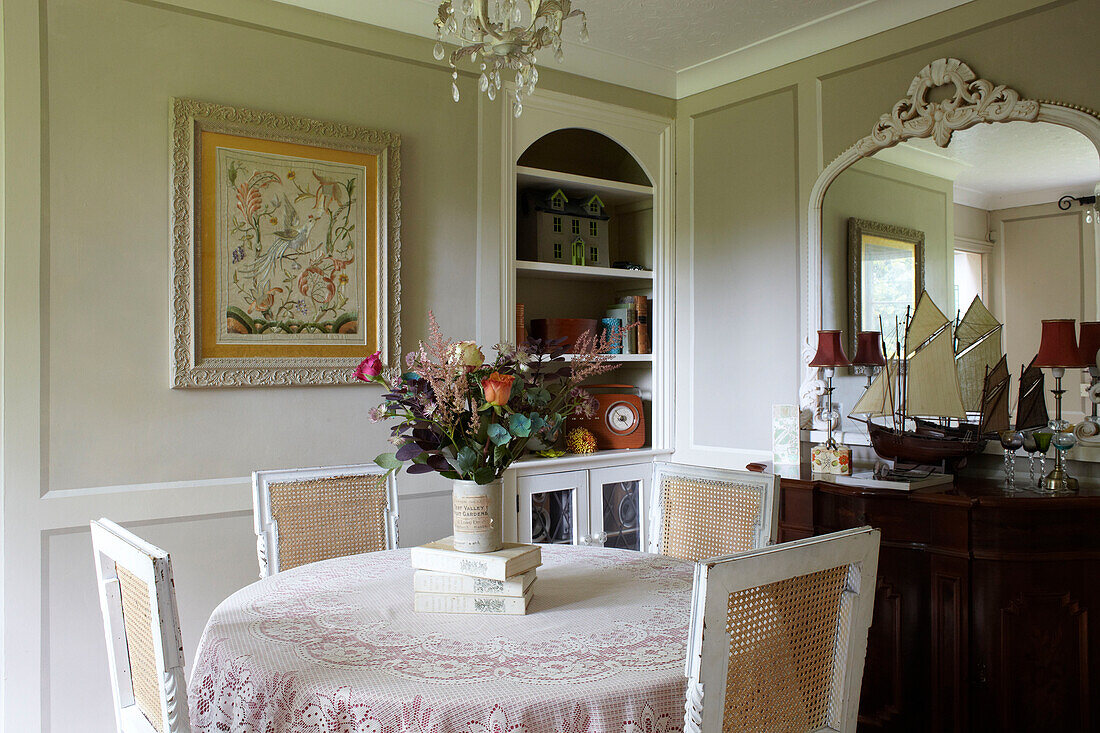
pixel 141 623
pixel 778 635
pixel 303 515
pixel 700 512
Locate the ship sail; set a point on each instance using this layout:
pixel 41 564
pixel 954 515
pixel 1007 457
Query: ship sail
pixel 977 350
pixel 878 400
pixel 995 399
pixel 1031 410
pixel 927 320
pixel 932 384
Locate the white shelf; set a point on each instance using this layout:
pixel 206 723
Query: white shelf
pixel 613 193
pixel 551 271
pixel 535 464
pixel 621 358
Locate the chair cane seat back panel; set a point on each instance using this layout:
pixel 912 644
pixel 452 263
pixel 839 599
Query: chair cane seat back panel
pixel 322 518
pixel 708 517
pixel 778 636
pixel 783 653
pixel 137 618
pixel 141 627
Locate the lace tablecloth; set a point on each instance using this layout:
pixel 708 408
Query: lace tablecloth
pixel 335 647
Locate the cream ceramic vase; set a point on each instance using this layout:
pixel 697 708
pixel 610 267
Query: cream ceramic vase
pixel 476 516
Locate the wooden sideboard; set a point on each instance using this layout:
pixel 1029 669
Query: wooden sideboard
pixel 982 608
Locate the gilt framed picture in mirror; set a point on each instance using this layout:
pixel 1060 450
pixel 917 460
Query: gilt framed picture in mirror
pixel 885 276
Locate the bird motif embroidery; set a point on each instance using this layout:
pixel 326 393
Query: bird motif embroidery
pixel 289 240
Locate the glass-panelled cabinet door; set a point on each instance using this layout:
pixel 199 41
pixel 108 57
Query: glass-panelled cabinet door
pixel 553 508
pixel 618 505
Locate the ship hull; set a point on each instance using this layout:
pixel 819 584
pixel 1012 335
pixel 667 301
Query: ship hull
pixel 910 447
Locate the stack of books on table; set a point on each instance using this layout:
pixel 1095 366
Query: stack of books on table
pixel 449 581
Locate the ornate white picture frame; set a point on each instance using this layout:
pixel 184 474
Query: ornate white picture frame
pixel 285 247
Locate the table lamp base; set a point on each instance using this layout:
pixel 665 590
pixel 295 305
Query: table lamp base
pixel 836 460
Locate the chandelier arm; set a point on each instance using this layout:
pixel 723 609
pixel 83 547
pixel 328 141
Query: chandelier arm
pixel 483 18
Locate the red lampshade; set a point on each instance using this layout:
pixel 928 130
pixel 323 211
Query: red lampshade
pixel 1058 347
pixel 1090 341
pixel 830 352
pixel 869 349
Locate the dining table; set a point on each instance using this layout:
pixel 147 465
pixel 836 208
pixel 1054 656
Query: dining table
pixel 336 647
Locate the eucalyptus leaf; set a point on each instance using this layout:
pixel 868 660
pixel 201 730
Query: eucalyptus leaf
pixel 388 461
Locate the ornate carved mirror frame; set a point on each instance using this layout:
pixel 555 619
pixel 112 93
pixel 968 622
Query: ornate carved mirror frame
pixel 974 101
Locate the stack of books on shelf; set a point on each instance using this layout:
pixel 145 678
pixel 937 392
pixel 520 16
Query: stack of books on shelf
pixel 449 581
pixel 633 312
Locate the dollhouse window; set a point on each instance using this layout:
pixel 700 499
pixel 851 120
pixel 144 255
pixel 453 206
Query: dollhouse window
pixel 557 250
pixel 594 206
pixel 557 223
pixel 594 228
pixel 576 226
pixel 594 254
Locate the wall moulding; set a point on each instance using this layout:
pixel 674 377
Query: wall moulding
pixel 964 100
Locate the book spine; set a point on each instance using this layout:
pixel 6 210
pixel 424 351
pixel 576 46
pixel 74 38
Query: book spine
pixel 642 309
pixel 426 581
pixel 459 603
pixel 630 342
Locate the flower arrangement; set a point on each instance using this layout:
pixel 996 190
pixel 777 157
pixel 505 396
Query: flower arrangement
pixel 469 419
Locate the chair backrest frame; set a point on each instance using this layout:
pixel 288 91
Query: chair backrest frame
pixel 266 527
pixel 717 578
pixel 766 524
pixel 115 547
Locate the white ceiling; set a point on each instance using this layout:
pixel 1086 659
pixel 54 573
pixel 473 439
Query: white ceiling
pixel 1010 164
pixel 680 47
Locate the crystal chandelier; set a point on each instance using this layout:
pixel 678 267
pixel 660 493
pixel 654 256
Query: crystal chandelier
pixel 494 33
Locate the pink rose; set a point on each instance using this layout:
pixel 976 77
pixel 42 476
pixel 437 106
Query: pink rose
pixel 370 367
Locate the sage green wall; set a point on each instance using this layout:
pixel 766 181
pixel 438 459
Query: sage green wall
pixel 90 427
pixel 834 98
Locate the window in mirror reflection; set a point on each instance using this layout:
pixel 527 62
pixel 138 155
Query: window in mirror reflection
pixel 886 272
pixel 968 278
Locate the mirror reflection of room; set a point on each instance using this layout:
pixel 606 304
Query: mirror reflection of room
pixel 987 210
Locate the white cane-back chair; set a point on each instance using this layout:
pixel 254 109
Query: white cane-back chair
pixel 303 515
pixel 141 623
pixel 778 636
pixel 698 512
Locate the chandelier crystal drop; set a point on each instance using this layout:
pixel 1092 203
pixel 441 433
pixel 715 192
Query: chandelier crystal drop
pixel 499 36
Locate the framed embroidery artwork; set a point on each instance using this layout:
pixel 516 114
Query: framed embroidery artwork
pixel 285 239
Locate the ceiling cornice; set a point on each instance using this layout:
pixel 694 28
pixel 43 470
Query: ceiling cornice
pixel 823 34
pixel 817 36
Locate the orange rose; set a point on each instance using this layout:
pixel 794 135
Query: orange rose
pixel 497 387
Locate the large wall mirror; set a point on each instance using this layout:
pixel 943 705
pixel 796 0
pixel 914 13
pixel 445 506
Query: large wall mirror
pixel 959 198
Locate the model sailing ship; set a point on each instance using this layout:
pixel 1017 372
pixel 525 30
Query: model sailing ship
pixel 947 390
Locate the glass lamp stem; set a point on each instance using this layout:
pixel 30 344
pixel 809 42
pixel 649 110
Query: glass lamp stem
pixel 830 444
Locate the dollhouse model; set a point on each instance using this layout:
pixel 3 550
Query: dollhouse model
pixel 554 229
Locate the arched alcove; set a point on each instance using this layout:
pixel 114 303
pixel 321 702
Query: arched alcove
pixel 582 152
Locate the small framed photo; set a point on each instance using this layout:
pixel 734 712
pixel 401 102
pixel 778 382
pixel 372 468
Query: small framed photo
pixel 285 247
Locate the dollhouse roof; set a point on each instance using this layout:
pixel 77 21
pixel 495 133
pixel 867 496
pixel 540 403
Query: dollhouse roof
pixel 540 201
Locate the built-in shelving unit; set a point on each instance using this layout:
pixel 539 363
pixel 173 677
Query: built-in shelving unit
pixel 624 157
